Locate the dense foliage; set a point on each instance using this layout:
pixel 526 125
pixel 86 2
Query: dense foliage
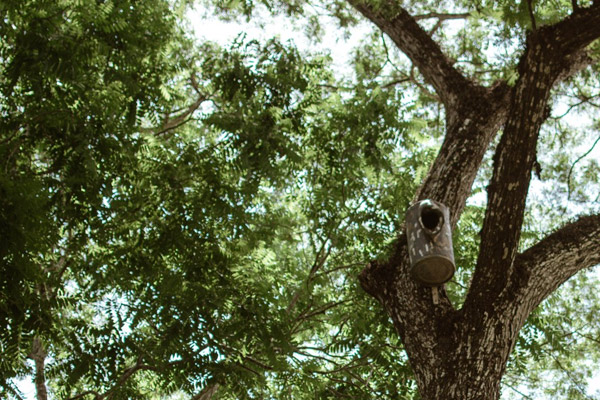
pixel 183 219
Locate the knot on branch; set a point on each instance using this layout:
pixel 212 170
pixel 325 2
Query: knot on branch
pixel 376 277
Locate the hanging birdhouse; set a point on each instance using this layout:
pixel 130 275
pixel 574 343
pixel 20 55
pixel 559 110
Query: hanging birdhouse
pixel 430 243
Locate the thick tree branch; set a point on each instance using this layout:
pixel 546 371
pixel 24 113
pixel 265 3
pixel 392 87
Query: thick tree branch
pixel 473 113
pixel 411 39
pixel 489 334
pixel 576 31
pixel 541 269
pixel 546 59
pixel 574 63
pixel 468 135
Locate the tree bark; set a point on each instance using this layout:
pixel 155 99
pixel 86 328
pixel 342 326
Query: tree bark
pixel 462 354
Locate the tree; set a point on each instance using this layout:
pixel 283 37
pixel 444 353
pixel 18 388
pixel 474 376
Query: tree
pixel 184 219
pixel 463 353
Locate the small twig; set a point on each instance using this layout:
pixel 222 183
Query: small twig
pixel 387 55
pixel 395 82
pixel 319 357
pixel 249 369
pixel 10 137
pixel 517 391
pixel 195 85
pixel 179 120
pixel 578 385
pixel 583 99
pixel 321 310
pixel 318 263
pixel 406 78
pixel 573 165
pixel 345 266
pixel 458 284
pixel 420 86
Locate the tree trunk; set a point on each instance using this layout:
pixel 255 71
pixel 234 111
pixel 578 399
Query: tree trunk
pixel 462 354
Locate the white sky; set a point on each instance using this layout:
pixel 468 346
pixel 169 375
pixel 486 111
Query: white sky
pixel 208 27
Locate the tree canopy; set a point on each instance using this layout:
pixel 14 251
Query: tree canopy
pixel 184 219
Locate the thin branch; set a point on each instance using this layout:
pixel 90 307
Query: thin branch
pixel 335 87
pixel 83 394
pixel 387 55
pixel 338 268
pixel 578 385
pixel 318 263
pixel 321 310
pixel 249 369
pixel 246 358
pixel 178 121
pixel 523 395
pixel 436 27
pixel 339 394
pixel 207 393
pixel 531 15
pixel 126 375
pixel 318 357
pixel 442 16
pixel 405 78
pixel 182 118
pixel 569 109
pixel 573 166
pixel 10 137
pixel 195 85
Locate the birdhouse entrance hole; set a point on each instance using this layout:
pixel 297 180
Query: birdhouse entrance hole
pixel 430 218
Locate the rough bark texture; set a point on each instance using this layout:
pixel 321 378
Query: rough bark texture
pixel 462 354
